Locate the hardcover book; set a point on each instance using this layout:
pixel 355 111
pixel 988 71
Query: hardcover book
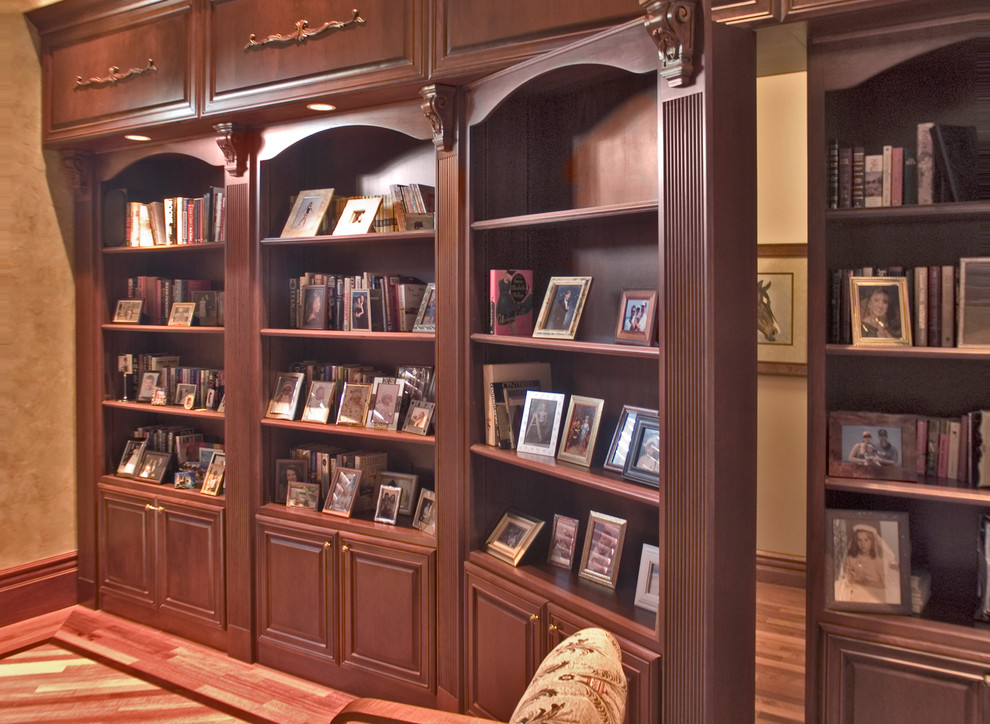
pixel 873 180
pixel 510 298
pixel 503 373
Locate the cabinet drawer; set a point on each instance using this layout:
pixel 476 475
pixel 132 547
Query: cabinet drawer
pixel 119 71
pixel 383 44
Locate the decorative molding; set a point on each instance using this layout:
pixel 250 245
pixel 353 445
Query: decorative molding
pixel 301 34
pixel 782 569
pixel 78 164
pixel 671 24
pixel 438 105
pixel 37 588
pixel 233 141
pixel 114 76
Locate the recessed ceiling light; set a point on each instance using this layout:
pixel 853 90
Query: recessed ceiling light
pixel 321 107
pixel 136 137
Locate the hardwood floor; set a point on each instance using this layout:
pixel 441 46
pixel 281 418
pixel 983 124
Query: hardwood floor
pixel 78 665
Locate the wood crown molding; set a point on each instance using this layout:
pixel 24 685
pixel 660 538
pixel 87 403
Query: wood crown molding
pixel 438 105
pixel 672 25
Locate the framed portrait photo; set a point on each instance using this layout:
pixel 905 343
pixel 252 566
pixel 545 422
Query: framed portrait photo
pixel 616 458
pixel 425 517
pixel 512 537
pixel 182 314
pixel 642 463
pixel 183 391
pixel 584 415
pixel 285 395
pixel 563 541
pixel 387 509
pixel 360 310
pixel 867 561
pixel 343 492
pixel 386 395
pixel 146 390
pixel 426 317
pixel 974 302
pixel 782 309
pixel 302 495
pixel 307 213
pixel 602 549
pixel 128 311
pixel 154 466
pixel 288 471
pixel 354 401
pixel 637 317
pixel 319 401
pixel 648 581
pixel 880 311
pixel 562 307
pixel 213 480
pixel 540 422
pixel 418 417
pixel 357 216
pixel 873 445
pixel 408 483
pixel 131 458
pixel 314 300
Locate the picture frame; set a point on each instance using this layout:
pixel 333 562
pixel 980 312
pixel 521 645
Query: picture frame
pixel 302 495
pixel 386 401
pixel 354 401
pixel 285 396
pixel 343 492
pixel 357 215
pixel 314 300
pixel 128 311
pixel 880 311
pixel 185 480
pixel 360 306
pixel 974 302
pixel 425 517
pixel 562 306
pixel 577 443
pixel 159 397
pixel 182 314
pixel 182 392
pixel 648 580
pixel 782 309
pixel 983 573
pixel 408 483
pixel 146 390
pixel 512 537
pixel 307 213
pixel 642 463
pixel 541 422
pixel 213 479
pixel 873 445
pixel 602 552
pixel 563 541
pixel 418 417
pixel 867 561
pixel 426 317
pixel 130 459
pixel 154 466
pixel 615 459
pixel 637 317
pixel 288 471
pixel 318 402
pixel 511 410
pixel 387 508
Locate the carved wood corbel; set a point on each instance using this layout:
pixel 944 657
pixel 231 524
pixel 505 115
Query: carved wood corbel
pixel 438 105
pixel 672 25
pixel 78 164
pixel 233 141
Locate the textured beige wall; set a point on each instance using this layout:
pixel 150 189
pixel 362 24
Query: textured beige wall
pixel 37 310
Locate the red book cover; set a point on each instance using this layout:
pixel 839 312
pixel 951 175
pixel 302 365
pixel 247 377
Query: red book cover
pixel 897 176
pixel 510 296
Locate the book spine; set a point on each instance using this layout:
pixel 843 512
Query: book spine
pixel 858 180
pixel 845 177
pixel 934 306
pixel 897 176
pixel 931 445
pixel 948 303
pixel 926 164
pixel 921 466
pixel 952 460
pixel 920 330
pixel 873 180
pixel 888 154
pixel 833 174
pixel 942 470
pixel 910 179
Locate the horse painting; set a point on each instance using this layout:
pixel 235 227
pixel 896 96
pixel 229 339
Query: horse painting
pixel 766 322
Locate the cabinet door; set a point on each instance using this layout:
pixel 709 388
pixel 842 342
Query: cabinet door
pixel 504 647
pixel 874 684
pixel 191 561
pixel 127 552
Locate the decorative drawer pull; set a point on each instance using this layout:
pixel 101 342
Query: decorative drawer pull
pixel 155 508
pixel 115 76
pixel 551 628
pixel 345 547
pixel 302 32
pixel 328 544
pixel 534 617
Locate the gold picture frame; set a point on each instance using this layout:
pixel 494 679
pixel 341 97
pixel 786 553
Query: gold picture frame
pixel 602 551
pixel 307 213
pixel 562 307
pixel 880 311
pixel 512 537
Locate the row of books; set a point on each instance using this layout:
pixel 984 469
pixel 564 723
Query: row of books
pixel 951 450
pixel 175 220
pixel 403 208
pixel 183 441
pixel 941 167
pixel 933 302
pixel 324 301
pixel 160 293
pixel 162 370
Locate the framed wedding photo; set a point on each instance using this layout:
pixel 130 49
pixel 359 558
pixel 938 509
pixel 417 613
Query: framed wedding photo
pixel 873 445
pixel 602 549
pixel 637 317
pixel 584 415
pixel 880 311
pixel 418 417
pixel 131 459
pixel 642 463
pixel 867 561
pixel 128 311
pixel 426 317
pixel 562 307
pixel 319 401
pixel 182 314
pixel 307 213
pixel 285 396
pixel 616 458
pixel 974 302
pixel 563 541
pixel 343 492
pixel 648 582
pixel 354 401
pixel 387 509
pixel 512 537
pixel 357 216
pixel 541 422
pixel 425 518
pixel 408 483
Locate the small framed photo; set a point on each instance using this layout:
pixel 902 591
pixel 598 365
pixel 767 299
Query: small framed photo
pixel 131 459
pixel 387 401
pixel 183 390
pixel 418 417
pixel 358 216
pixel 185 480
pixel 602 549
pixel 648 582
pixel 880 311
pixel 387 509
pixel 637 317
pixel 146 390
pixel 182 314
pixel 288 471
pixel 154 465
pixel 615 460
pixel 974 302
pixel 584 415
pixel 361 310
pixel 426 317
pixel 867 561
pixel 983 572
pixel 408 483
pixel 128 311
pixel 303 495
pixel 541 422
pixel 158 397
pixel 213 480
pixel 563 541
pixel 513 536
pixel 562 307
pixel 343 491
pixel 314 299
pixel 354 402
pixel 319 401
pixel 307 213
pixel 425 517
pixel 285 395
pixel 873 445
pixel 642 463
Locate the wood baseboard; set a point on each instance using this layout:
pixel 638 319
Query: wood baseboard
pixel 780 568
pixel 37 588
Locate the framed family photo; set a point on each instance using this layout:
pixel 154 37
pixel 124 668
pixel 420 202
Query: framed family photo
pixel 425 517
pixel 563 541
pixel 387 509
pixel 408 483
pixel 154 465
pixel 285 395
pixel 184 392
pixel 782 309
pixel 880 311
pixel 358 216
pixel 637 317
pixel 386 402
pixel 642 463
pixel 584 415
pixel 307 213
pixel 541 422
pixel 512 537
pixel 873 445
pixel 974 302
pixel 354 402
pixel 867 561
pixel 128 311
pixel 562 307
pixel 319 401
pixel 615 460
pixel 602 549
pixel 182 314
pixel 648 581
pixel 302 495
pixel 343 492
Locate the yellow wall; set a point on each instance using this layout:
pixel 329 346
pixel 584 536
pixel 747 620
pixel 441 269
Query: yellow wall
pixel 37 313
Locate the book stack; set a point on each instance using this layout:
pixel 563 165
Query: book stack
pixel 503 384
pixel 950 450
pixel 394 299
pixel 160 293
pixel 171 374
pixel 175 220
pixel 414 206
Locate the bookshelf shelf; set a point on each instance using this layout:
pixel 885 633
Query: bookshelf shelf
pixel 930 353
pixel 418 337
pixel 567 216
pixel 162 410
pixel 214 246
pixel 165 490
pixel 571 346
pixel 910 214
pixel 919 491
pixel 161 328
pixel 348 431
pixel 388 238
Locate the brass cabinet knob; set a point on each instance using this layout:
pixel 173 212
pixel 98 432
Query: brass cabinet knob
pixel 534 617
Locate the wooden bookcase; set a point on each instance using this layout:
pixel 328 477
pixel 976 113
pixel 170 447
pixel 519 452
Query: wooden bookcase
pixel 873 88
